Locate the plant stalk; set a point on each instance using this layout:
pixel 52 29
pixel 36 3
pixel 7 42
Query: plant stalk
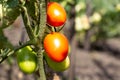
pixel 41 27
pixel 41 65
pixel 27 22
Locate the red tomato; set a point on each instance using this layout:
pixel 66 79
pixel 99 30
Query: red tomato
pixel 56 15
pixel 56 46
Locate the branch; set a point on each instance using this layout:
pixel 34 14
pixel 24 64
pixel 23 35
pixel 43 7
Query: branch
pixel 4 54
pixel 42 27
pixel 27 22
pixel 42 18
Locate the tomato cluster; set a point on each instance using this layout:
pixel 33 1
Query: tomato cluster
pixel 55 43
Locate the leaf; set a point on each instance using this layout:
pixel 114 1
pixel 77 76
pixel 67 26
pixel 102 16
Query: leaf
pixel 10 11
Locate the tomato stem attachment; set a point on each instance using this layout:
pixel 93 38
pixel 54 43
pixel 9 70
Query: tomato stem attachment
pixel 55 29
pixel 61 28
pixel 49 27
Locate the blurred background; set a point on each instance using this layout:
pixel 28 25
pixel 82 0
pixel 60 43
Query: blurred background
pixel 93 30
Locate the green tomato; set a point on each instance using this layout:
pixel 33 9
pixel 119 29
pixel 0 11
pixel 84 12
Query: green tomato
pixel 27 60
pixel 58 66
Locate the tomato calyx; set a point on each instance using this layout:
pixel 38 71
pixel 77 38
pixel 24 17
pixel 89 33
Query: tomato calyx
pixel 55 29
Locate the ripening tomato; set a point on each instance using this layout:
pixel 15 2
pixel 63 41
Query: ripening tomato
pixel 56 15
pixel 61 66
pixel 56 46
pixel 27 60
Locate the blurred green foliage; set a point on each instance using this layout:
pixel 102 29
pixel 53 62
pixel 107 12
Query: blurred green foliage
pixel 8 13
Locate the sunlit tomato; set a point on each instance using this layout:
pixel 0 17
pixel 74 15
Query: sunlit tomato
pixel 61 66
pixel 27 60
pixel 56 46
pixel 56 15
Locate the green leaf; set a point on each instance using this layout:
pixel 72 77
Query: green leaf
pixel 10 11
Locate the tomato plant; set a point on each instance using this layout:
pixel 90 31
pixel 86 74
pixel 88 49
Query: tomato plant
pixel 56 46
pixel 56 15
pixel 27 60
pixel 61 66
pixel 35 15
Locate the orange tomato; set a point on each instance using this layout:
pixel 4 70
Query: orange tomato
pixel 56 46
pixel 56 15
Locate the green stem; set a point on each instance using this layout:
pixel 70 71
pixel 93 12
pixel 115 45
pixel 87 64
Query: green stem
pixel 28 43
pixel 27 22
pixel 5 55
pixel 41 65
pixel 42 18
pixel 42 27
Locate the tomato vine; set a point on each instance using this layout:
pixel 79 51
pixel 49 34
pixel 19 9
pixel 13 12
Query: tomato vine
pixel 35 19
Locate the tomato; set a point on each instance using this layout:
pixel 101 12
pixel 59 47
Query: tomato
pixel 56 46
pixel 56 15
pixel 27 60
pixel 61 66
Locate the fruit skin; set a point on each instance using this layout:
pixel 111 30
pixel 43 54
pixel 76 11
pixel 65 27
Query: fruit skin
pixel 56 15
pixel 27 60
pixel 61 66
pixel 56 46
